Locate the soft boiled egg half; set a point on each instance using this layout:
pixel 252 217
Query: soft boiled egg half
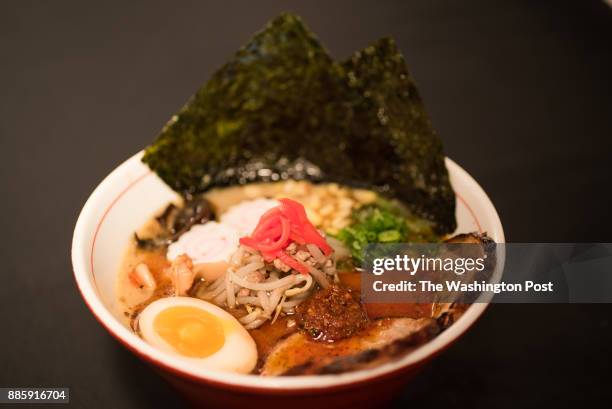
pixel 199 333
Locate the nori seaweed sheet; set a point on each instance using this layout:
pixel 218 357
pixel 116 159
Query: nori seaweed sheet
pixel 282 108
pixel 390 125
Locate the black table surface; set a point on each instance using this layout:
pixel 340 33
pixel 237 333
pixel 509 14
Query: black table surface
pixel 520 92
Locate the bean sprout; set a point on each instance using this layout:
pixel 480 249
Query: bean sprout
pixel 265 290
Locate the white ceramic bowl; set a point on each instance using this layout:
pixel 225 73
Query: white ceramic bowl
pixel 131 194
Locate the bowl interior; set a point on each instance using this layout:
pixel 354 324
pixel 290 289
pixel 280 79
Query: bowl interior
pixel 131 194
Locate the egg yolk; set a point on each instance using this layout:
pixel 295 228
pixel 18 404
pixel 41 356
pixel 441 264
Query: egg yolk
pixel 191 331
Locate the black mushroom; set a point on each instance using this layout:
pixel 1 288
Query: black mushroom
pixel 175 220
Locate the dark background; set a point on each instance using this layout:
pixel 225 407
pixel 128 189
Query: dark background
pixel 519 91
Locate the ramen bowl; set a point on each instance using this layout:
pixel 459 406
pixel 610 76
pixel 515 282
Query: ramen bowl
pixel 131 194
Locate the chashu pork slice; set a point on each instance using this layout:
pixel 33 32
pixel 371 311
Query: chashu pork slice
pixel 380 341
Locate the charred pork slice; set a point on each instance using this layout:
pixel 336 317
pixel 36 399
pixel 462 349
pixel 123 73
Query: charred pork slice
pixel 483 244
pixel 379 342
pixel 475 245
pixel 448 313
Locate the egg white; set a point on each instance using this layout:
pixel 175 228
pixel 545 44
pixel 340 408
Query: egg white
pixel 238 353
